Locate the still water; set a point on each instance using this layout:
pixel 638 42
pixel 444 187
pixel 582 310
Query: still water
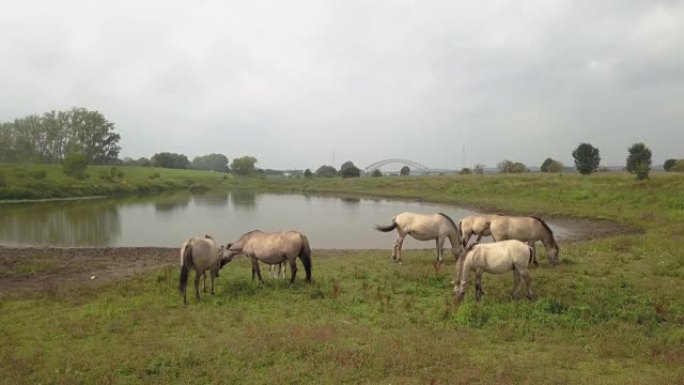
pixel 166 220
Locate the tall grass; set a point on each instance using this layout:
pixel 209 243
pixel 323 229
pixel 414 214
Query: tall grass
pixel 611 313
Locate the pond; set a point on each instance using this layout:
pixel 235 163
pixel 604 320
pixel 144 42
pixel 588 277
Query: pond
pixel 166 220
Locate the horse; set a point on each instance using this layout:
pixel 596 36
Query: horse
pixel 475 224
pixel 527 229
pixel 493 258
pixel 424 228
pixel 272 249
pixel 199 254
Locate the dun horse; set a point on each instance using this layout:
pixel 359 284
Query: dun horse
pixel 494 258
pixel 424 228
pixel 526 229
pixel 475 224
pixel 272 249
pixel 199 254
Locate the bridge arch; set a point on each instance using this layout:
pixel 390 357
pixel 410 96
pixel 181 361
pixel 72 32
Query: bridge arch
pixel 407 162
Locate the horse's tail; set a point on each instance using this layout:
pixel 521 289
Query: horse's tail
pixel 186 264
pixel 386 229
pixel 305 256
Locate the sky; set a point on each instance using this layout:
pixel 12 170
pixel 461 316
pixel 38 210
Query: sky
pixel 299 84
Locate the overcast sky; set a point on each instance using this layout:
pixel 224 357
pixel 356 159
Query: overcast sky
pixel 291 82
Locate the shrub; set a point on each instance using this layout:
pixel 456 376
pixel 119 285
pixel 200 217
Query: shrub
pixel 75 165
pixel 678 166
pixel 551 165
pixel 376 173
pixel 669 164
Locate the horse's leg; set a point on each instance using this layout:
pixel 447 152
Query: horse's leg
pixel 293 270
pixel 528 282
pixel 534 252
pixel 197 280
pixel 466 238
pixel 440 249
pixel 479 292
pixel 204 282
pixel 516 282
pixel 214 274
pixel 256 270
pixel 396 252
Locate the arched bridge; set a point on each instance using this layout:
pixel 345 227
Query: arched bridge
pixel 385 162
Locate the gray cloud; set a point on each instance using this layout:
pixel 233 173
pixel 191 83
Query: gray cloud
pixel 291 82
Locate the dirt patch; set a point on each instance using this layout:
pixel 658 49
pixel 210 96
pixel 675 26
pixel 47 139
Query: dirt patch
pixel 34 269
pixel 42 269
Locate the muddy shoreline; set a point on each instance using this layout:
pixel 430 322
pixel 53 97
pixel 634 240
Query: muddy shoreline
pixel 41 269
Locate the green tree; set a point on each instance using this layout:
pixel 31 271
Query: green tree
pixel 244 166
pixel 211 162
pixel 75 165
pixel 678 166
pixel 376 173
pixel 551 165
pixel 405 171
pixel 308 174
pixel 326 171
pixel 170 160
pixel 639 160
pixel 667 166
pixel 349 170
pixel 587 158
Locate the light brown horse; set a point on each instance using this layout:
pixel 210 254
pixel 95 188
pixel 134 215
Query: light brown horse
pixel 526 229
pixel 272 249
pixel 475 224
pixel 493 258
pixel 199 254
pixel 424 228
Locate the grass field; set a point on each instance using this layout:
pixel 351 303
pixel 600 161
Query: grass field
pixel 611 313
pixel 35 181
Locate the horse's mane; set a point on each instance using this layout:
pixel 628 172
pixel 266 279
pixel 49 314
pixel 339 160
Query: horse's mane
pixel 450 220
pixel 207 236
pixel 553 239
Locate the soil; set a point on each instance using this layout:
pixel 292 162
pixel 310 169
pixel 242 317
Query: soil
pixel 34 269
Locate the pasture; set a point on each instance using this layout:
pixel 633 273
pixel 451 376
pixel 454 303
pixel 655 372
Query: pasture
pixel 612 312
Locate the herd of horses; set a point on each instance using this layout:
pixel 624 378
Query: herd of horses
pixel 513 249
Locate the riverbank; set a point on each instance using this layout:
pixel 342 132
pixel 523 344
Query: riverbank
pixel 35 181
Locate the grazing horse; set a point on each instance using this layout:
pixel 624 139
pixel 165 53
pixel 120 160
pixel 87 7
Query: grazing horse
pixel 475 224
pixel 493 258
pixel 424 228
pixel 527 229
pixel 272 249
pixel 199 254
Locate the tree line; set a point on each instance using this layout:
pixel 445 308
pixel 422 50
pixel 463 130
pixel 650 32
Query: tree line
pixel 50 137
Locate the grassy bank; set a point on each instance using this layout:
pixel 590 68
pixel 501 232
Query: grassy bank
pixel 33 181
pixel 611 313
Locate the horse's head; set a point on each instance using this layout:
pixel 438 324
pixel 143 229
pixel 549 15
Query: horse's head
pixel 553 254
pixel 226 254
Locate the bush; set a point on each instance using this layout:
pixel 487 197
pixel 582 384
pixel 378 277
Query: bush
pixel 405 171
pixel 465 171
pixel 508 167
pixel 75 165
pixel 551 165
pixel 376 173
pixel 678 166
pixel 308 174
pixel 669 164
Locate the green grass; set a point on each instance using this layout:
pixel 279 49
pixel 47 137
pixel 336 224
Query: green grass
pixel 34 181
pixel 611 313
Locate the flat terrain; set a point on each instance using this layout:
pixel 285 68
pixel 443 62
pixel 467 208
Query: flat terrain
pixel 611 313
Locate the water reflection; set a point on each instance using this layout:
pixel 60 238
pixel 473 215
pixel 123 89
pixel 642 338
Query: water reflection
pixel 82 223
pixel 212 198
pixel 169 202
pixel 243 198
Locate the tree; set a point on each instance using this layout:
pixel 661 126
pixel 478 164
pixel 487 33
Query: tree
pixel 326 171
pixel 376 173
pixel 211 162
pixel 244 165
pixel 405 171
pixel 587 158
pixel 509 167
pixel 639 160
pixel 308 174
pixel 678 166
pixel 551 165
pixel 667 166
pixel 170 160
pixel 465 171
pixel 348 170
pixel 75 165
pixel 479 169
